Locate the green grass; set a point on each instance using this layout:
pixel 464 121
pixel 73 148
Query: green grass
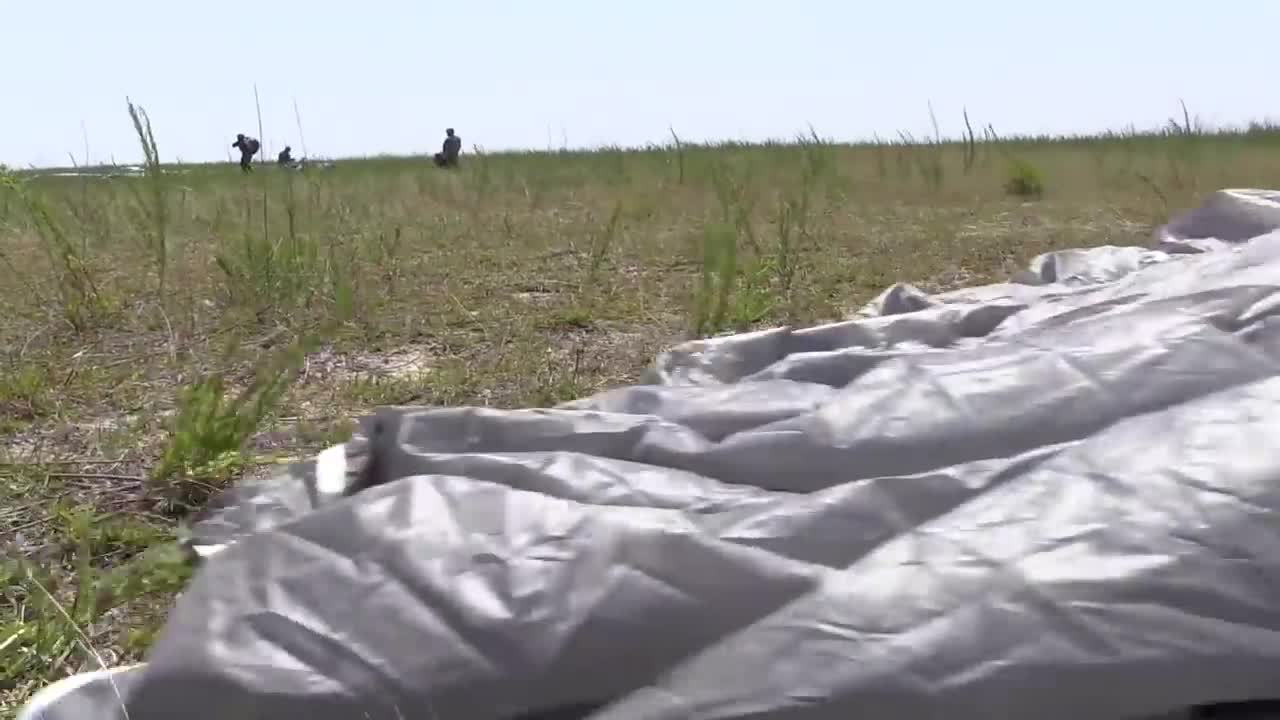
pixel 165 333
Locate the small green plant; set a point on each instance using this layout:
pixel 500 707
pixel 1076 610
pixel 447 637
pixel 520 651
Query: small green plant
pixel 927 157
pixel 269 275
pixel 719 272
pixel 882 163
pixel 970 145
pixel 817 158
pixel 1183 149
pixel 679 148
pixel 1024 181
pixel 480 175
pixel 47 634
pixel 340 274
pixel 389 256
pixel 591 279
pixel 744 280
pixel 152 211
pixel 24 393
pixel 753 298
pixel 792 219
pixel 41 639
pixel 80 299
pixel 212 426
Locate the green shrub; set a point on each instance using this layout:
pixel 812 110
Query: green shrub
pixel 1024 181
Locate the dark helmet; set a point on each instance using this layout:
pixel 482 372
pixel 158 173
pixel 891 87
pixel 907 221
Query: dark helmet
pixel 448 131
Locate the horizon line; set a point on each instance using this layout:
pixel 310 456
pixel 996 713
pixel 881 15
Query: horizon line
pixel 1171 128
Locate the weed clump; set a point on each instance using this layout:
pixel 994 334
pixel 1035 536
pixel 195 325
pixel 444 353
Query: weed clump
pixel 1024 181
pixel 212 426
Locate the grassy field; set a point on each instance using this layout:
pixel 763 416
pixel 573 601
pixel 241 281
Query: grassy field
pixel 166 333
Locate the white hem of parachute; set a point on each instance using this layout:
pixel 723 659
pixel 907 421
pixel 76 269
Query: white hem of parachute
pixel 50 694
pixel 331 479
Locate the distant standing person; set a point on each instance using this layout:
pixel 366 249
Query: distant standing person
pixel 248 148
pixel 448 155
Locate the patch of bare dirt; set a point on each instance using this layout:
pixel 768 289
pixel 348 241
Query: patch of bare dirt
pixel 329 366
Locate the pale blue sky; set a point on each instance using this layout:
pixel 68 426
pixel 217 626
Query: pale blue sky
pixel 387 76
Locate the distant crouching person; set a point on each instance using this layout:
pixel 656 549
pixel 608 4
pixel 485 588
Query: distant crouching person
pixel 448 155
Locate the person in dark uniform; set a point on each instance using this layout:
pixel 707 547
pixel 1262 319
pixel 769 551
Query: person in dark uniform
pixel 286 156
pixel 448 155
pixel 248 148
